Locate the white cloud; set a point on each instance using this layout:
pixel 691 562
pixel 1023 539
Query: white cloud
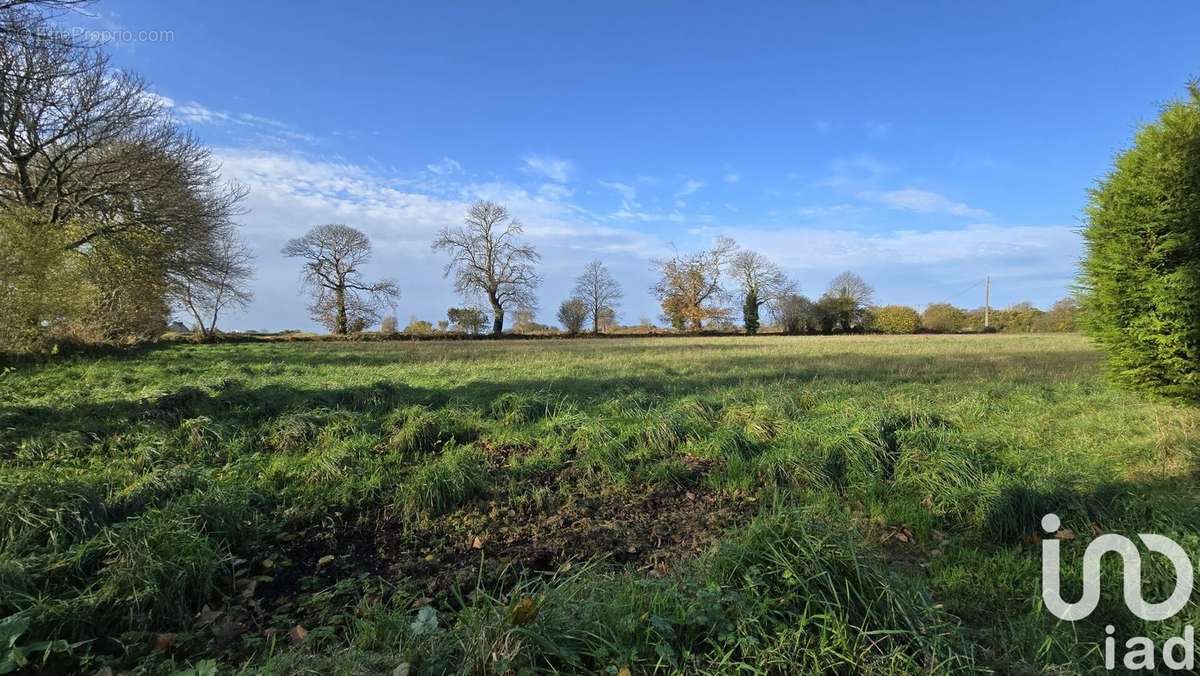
pixel 628 192
pixel 445 166
pixel 553 168
pixel 194 113
pixel 690 186
pixel 732 177
pixel 264 128
pixel 921 202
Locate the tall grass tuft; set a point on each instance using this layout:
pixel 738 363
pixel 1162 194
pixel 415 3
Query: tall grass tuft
pixel 456 476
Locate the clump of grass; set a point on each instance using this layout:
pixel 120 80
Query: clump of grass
pixel 760 421
pixel 519 408
pixel 723 443
pixel 835 608
pixel 156 568
pixel 419 430
pixel 456 476
pixel 293 432
pixel 797 467
pixel 663 431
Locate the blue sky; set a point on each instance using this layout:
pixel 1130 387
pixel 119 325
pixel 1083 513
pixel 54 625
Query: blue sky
pixel 922 145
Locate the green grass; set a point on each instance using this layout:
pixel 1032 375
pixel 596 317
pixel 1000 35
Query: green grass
pixel 689 505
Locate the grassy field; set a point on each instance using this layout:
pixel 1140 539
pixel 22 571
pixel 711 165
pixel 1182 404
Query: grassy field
pixel 707 505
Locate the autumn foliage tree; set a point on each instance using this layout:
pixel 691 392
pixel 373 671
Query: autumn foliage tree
pixel 689 286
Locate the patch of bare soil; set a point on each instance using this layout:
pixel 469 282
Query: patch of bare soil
pixel 495 542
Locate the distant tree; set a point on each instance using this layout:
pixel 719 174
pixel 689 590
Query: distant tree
pixel 525 320
pixel 895 319
pixel 333 257
pixel 418 327
pixel 572 314
pixel 943 318
pixel 826 312
pixel 1141 272
pixel 215 280
pixel 750 312
pixel 442 325
pixel 1016 318
pixel 487 260
pixel 848 298
pixel 608 319
pixel 761 281
pixel 597 288
pixel 388 324
pixel 794 314
pixel 689 288
pixel 468 319
pixel 1060 318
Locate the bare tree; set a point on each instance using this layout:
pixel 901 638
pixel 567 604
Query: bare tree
pixel 342 301
pixel 755 272
pixel 487 260
pixel 218 280
pixel 21 18
pixel 762 282
pixel 794 313
pixel 847 299
pixel 599 291
pixel 85 143
pixel 689 288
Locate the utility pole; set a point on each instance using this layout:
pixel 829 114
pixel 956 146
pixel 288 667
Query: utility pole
pixel 987 302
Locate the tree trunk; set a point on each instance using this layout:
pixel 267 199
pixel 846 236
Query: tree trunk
pixel 497 318
pixel 595 319
pixel 342 321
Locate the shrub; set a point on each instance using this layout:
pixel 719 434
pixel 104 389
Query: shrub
pixel 943 318
pixel 418 327
pixel 1141 271
pixel 572 314
pixel 896 319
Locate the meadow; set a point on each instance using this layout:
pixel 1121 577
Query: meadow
pixel 841 504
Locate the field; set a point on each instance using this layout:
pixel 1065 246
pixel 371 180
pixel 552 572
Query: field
pixel 679 505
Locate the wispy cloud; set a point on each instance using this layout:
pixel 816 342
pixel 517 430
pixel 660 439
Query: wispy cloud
pixel 921 202
pixel 444 167
pixel 628 193
pixel 732 177
pixel 198 114
pixel 690 186
pixel 548 166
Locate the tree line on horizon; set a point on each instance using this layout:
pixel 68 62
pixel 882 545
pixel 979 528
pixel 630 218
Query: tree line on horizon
pixel 700 291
